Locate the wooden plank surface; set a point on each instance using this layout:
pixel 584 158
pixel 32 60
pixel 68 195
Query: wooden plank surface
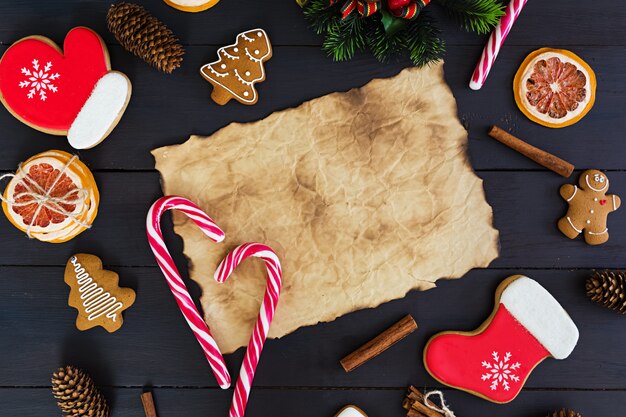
pixel 297 74
pixel 315 402
pixel 526 208
pixel 36 314
pixel 300 374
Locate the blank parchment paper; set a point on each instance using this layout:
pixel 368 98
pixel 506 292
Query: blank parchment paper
pixel 364 195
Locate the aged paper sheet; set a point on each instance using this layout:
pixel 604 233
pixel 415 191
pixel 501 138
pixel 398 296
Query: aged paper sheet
pixel 365 195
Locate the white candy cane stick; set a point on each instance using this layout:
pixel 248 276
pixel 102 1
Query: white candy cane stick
pixel 262 326
pixel 490 52
pixel 174 280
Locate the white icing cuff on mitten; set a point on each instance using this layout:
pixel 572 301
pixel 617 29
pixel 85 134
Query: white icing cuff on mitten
pixel 539 312
pixel 101 111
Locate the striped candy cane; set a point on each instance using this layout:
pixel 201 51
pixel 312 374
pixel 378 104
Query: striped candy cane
pixel 174 280
pixel 496 39
pixel 225 268
pixel 262 326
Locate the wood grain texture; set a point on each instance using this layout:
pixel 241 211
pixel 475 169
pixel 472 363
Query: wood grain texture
pixel 156 347
pixel 177 402
pixel 526 205
pixel 299 375
pixel 296 74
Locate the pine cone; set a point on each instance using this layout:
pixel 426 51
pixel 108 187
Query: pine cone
pixel 145 36
pixel 608 288
pixel 76 394
pixel 565 413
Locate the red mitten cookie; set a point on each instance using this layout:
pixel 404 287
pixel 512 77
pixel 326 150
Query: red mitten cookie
pixel 71 92
pixel 494 361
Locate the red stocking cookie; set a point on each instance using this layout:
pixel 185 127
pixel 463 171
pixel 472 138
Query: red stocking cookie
pixel 589 207
pixel 494 361
pixel 71 92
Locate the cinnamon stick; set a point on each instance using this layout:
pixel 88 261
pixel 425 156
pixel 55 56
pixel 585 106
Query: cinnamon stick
pixel 415 395
pixel 379 344
pixel 543 158
pixel 148 404
pixel 421 408
pixel 414 413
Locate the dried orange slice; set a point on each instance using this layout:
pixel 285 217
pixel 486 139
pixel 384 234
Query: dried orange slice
pixel 52 197
pixel 554 87
pixel 192 6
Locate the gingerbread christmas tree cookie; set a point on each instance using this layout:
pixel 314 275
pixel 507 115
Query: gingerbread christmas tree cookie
pixel 238 68
pixel 589 207
pixel 95 293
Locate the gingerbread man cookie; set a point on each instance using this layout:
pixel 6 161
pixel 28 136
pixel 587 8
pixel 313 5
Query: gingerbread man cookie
pixel 589 207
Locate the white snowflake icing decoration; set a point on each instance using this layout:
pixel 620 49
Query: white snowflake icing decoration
pixel 39 81
pixel 501 372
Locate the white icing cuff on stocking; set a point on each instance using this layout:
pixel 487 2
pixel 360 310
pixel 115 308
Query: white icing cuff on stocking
pixel 101 111
pixel 539 312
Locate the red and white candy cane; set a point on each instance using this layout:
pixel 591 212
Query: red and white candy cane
pixel 225 268
pixel 174 280
pixel 490 52
pixel 262 326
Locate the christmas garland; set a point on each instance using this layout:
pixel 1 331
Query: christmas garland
pixel 394 28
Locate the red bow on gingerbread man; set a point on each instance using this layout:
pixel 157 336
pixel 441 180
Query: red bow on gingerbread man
pixel 589 207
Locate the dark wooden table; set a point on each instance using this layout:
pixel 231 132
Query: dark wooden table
pixel 300 375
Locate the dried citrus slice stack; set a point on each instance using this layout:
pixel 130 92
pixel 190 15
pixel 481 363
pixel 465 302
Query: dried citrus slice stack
pixel 554 87
pixel 52 197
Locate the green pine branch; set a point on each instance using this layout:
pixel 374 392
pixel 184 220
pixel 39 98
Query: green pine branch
pixel 423 40
pixel 419 40
pixel 479 16
pixel 321 16
pixel 345 37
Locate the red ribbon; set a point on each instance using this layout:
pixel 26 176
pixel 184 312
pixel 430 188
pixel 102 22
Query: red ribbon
pixel 368 7
pixel 364 7
pixel 411 10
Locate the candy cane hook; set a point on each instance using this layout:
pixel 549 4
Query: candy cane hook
pixel 262 326
pixel 496 39
pixel 175 281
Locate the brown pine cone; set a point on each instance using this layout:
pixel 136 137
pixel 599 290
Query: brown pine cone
pixel 145 36
pixel 608 288
pixel 565 413
pixel 77 395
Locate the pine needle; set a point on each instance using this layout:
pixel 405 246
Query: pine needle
pixel 479 16
pixel 344 38
pixel 418 39
pixel 423 40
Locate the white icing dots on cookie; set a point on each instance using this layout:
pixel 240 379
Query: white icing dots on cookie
pixel 223 66
pixel 247 73
pixel 245 93
pixel 256 52
pixel 259 34
pixel 236 49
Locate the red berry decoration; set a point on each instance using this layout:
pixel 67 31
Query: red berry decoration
pixel 397 4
